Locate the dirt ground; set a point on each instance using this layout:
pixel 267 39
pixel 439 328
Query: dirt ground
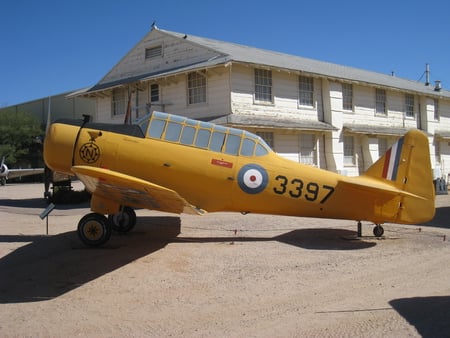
pixel 220 275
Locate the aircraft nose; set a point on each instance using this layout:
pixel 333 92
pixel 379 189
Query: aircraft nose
pixel 58 147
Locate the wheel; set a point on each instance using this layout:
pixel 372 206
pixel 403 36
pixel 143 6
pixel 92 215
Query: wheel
pixel 124 220
pixel 2 181
pixel 378 230
pixel 94 229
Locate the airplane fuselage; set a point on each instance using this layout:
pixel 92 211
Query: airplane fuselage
pixel 213 175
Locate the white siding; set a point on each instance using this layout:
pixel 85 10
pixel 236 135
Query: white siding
pixel 285 95
pixel 230 89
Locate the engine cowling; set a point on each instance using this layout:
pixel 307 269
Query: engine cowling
pixel 4 170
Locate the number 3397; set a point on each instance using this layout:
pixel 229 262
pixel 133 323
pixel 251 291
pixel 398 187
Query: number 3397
pixel 296 188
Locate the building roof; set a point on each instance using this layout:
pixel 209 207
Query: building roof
pixel 231 52
pixel 270 122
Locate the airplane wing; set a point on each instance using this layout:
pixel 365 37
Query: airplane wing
pixel 13 173
pixel 132 191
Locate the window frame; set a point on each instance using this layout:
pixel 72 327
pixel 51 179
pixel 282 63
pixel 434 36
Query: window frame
pixel 409 106
pixel 347 147
pixel 347 97
pixel 309 148
pixel 305 91
pixel 119 100
pixel 196 83
pixel 263 88
pixel 436 110
pixel 154 93
pixel 381 99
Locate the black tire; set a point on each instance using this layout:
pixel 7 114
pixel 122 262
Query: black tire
pixel 378 231
pixel 124 220
pixel 94 230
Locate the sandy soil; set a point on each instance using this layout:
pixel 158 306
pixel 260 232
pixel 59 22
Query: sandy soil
pixel 220 275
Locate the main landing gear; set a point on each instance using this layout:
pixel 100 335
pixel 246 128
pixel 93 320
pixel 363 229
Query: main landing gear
pixel 95 229
pixel 378 230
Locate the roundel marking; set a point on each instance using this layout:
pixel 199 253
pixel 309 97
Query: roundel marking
pixel 252 178
pixel 90 152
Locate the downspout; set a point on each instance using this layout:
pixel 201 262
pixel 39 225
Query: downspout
pixel 324 133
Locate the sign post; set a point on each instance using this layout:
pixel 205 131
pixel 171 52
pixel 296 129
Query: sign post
pixel 46 212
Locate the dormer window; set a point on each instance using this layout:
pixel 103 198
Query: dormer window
pixel 153 52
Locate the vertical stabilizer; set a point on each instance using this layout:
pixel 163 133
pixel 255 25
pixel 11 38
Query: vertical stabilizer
pixel 406 165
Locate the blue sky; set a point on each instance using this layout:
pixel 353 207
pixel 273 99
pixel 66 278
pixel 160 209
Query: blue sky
pixel 50 47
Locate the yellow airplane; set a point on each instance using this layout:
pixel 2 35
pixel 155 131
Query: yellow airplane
pixel 175 164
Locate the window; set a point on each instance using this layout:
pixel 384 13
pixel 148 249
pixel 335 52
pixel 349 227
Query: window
pixel 173 131
pixel 202 139
pixel 119 101
pixel 308 149
pixel 248 147
pixel 197 87
pixel 306 91
pixel 436 109
pixel 380 102
pixel 382 146
pixel 153 52
pixel 437 152
pixel 156 128
pixel 349 150
pixel 347 96
pixel 263 85
pixel 409 105
pixel 232 144
pixel 154 93
pixel 217 141
pixel 267 136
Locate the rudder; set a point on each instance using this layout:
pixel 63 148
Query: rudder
pixel 406 165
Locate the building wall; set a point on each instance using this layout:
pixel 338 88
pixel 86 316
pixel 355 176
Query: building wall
pixel 231 90
pixel 60 107
pixel 231 87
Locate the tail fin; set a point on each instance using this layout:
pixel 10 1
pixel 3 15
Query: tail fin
pixel 406 166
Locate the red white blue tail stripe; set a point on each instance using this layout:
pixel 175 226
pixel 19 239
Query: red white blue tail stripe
pixel 392 161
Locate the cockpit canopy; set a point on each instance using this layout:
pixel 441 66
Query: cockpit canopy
pixel 204 135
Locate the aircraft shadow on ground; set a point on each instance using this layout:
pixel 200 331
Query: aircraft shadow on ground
pixel 311 239
pixel 50 266
pixel 440 219
pixel 39 203
pixel 429 315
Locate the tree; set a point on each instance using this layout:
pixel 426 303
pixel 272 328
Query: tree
pixel 20 134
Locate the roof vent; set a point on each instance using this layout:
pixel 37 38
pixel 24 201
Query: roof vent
pixel 437 85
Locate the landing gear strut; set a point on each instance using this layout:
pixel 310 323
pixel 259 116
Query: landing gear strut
pixel 124 220
pixel 378 230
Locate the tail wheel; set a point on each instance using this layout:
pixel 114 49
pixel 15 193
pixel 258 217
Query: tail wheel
pixel 378 230
pixel 124 220
pixel 94 229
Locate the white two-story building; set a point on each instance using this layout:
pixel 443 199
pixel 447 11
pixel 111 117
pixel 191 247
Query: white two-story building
pixel 330 116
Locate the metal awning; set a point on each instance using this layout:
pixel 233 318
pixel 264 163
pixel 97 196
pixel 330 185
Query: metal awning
pixel 374 130
pixel 271 122
pixel 443 134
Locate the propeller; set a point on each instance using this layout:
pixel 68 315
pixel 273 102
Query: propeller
pixel 3 167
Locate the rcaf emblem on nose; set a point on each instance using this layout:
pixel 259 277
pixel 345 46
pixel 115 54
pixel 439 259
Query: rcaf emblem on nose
pixel 90 152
